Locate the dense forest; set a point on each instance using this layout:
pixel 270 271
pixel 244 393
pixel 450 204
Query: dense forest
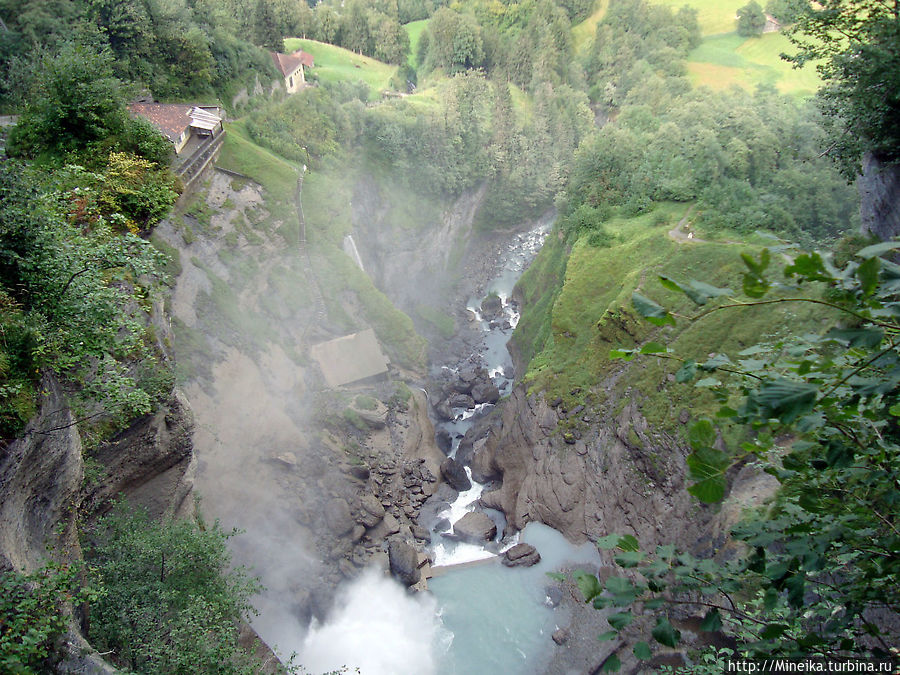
pixel 610 132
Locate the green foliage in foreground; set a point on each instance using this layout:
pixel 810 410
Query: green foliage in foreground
pixel 32 616
pixel 74 287
pixel 821 573
pixel 171 602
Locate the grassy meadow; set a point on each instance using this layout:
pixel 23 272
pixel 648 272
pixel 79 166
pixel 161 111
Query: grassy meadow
pixel 414 29
pixel 724 58
pixel 335 64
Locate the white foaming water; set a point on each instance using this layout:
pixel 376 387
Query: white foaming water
pixel 381 629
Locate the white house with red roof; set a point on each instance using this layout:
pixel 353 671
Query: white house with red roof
pixel 291 68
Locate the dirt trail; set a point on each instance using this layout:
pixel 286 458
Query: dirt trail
pixel 682 232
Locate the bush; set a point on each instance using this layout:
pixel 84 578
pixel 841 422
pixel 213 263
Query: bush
pixel 171 602
pixel 32 617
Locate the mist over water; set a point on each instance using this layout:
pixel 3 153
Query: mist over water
pixel 378 627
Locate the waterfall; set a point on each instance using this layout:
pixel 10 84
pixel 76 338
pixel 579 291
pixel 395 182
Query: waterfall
pixel 351 250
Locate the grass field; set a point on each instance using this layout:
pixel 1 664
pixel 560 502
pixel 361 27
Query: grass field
pixel 276 174
pixel 335 64
pixel 414 29
pixel 570 327
pixel 715 16
pixel 584 31
pixel 725 60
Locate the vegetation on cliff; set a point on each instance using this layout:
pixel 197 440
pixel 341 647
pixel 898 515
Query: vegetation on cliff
pixel 650 178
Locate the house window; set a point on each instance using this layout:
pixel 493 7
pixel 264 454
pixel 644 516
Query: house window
pixel 291 78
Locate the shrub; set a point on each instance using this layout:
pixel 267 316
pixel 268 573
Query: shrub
pixel 171 602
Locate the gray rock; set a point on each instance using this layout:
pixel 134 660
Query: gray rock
pixel 553 597
pixel 421 533
pixel 359 471
pixel 475 527
pixel 461 401
pixel 385 528
pixel 371 510
pixel 455 475
pixel 404 562
pixel 442 525
pixel 491 306
pixel 521 555
pixel 485 392
pixel 443 411
pixel 337 516
pixel 444 441
pixel 347 568
pixel 560 636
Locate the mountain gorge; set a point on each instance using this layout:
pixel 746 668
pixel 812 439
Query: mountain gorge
pixel 226 400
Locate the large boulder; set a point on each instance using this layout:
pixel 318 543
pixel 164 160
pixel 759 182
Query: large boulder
pixel 485 392
pixel 475 527
pixel 491 306
pixel 521 555
pixel 337 516
pixel 444 441
pixel 455 475
pixel 404 562
pixel 371 510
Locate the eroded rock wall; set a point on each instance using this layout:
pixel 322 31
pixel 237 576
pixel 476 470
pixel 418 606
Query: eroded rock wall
pixel 40 486
pixel 879 191
pixel 618 476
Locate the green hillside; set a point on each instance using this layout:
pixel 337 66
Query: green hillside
pixel 414 29
pixel 570 327
pixel 336 64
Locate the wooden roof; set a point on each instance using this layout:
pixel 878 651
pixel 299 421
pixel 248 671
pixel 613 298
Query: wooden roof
pixel 288 64
pixel 172 119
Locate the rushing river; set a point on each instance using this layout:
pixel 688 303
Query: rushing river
pixel 498 620
pixel 479 617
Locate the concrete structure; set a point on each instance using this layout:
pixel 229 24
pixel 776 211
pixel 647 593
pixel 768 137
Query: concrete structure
pixel 351 358
pixel 291 68
pixel 186 126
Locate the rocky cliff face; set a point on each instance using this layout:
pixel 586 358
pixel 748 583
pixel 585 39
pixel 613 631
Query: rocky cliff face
pixel 151 463
pixel 43 494
pixel 40 487
pixel 410 266
pixel 879 191
pixel 613 475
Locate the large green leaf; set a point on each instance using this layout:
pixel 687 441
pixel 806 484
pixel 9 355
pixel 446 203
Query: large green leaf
pixel 654 313
pixel 686 372
pixel 867 336
pixel 755 286
pixel 878 249
pixel 698 291
pixel 588 584
pixel 630 559
pixel 628 542
pixel 709 491
pixel 784 399
pixel 611 665
pixel 608 542
pixel 665 633
pixel 707 466
pixel 712 621
pixel 867 273
pixel 620 619
pixel 809 266
pixel 701 434
pixel 642 651
pixel 654 348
